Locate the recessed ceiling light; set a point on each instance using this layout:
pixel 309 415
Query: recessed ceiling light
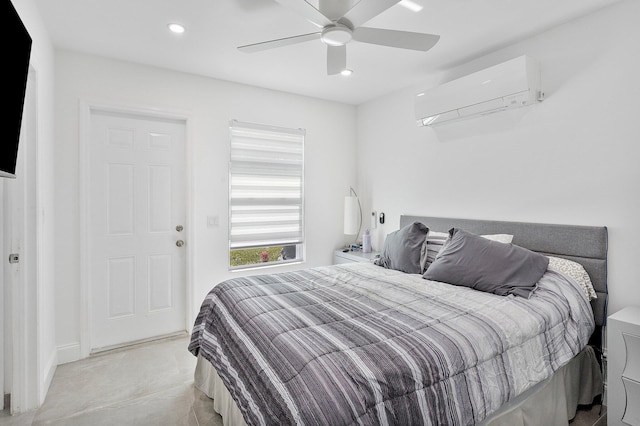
pixel 412 6
pixel 346 72
pixel 176 28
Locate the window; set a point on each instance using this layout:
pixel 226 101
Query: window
pixel 266 187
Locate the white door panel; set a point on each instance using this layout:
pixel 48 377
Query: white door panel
pixel 136 200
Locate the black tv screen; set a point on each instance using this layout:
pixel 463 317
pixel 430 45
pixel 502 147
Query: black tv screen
pixel 15 70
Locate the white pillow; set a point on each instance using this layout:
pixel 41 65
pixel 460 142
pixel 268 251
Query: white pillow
pixel 575 271
pixel 501 238
pixel 435 240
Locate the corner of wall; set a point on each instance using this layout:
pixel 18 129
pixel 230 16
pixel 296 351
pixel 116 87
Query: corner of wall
pixel 49 371
pixel 68 353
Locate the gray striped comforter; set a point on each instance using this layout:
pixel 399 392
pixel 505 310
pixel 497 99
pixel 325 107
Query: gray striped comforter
pixel 359 344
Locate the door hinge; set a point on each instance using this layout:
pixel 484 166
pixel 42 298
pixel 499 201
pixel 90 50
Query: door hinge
pixel 14 258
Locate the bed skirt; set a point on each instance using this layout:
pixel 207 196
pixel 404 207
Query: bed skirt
pixel 552 402
pixel 207 380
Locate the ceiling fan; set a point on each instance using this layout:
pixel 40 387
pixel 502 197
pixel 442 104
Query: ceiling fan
pixel 340 22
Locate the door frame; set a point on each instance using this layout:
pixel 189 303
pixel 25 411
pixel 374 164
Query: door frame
pixel 22 198
pixel 86 108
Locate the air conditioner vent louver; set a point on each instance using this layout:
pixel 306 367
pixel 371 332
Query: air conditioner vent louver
pixel 512 84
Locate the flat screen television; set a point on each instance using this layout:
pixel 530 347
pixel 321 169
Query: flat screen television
pixel 15 70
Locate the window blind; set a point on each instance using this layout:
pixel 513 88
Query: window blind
pixel 266 176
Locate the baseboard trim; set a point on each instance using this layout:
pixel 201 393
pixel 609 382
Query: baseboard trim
pixel 126 345
pixel 50 371
pixel 68 353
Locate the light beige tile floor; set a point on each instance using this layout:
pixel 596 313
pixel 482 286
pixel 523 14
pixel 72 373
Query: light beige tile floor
pixel 149 384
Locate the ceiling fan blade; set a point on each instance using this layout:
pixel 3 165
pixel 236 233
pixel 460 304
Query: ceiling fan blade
pixel 393 38
pixel 287 41
pixel 365 10
pixel 336 59
pixel 305 9
pixel 335 9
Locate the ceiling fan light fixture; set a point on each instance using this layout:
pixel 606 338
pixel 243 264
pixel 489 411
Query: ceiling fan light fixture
pixel 337 35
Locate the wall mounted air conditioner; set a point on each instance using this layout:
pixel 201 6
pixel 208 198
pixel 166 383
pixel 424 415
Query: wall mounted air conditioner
pixel 511 84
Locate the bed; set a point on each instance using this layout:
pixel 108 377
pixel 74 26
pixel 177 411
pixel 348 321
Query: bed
pixel 374 344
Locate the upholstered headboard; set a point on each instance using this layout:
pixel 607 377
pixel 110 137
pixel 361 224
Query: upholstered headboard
pixel 586 245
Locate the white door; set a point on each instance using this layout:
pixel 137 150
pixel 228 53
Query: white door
pixel 136 228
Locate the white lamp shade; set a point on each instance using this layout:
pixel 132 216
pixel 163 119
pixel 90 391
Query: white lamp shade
pixel 350 215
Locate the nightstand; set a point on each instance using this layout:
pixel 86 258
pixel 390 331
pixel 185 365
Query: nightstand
pixel 623 367
pixel 353 256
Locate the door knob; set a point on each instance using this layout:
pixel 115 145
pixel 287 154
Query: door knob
pixel 179 228
pixel 179 243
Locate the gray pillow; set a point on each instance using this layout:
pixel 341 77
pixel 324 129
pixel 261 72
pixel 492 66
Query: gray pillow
pixel 402 249
pixel 473 261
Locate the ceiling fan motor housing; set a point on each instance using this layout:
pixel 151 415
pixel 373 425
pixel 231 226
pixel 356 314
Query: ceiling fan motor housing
pixel 336 35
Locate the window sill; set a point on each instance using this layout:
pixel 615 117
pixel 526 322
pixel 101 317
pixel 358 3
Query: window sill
pixel 269 266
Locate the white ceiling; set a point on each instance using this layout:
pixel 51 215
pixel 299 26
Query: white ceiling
pixel 136 30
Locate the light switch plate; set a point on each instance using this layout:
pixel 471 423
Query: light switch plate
pixel 374 222
pixel 213 221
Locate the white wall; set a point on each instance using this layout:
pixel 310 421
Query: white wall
pixel 210 104
pixel 572 159
pixel 42 292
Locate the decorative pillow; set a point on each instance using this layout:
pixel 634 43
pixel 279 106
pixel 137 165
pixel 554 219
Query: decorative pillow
pixel 402 249
pixel 473 261
pixel 435 241
pixel 575 271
